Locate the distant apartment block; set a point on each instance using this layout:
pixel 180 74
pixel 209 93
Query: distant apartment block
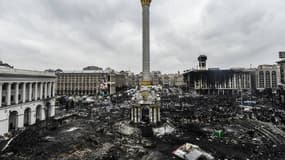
pixel 90 81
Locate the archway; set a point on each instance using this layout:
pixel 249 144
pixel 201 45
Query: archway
pixel 27 116
pixel 274 79
pixel 39 113
pixel 261 79
pixel 13 120
pixel 267 79
pixel 48 109
pixel 145 114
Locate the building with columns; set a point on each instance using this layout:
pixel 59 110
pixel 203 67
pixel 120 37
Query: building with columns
pixel 25 97
pixel 281 64
pixel 219 81
pixel 230 81
pixel 267 77
pixel 173 80
pixel 89 81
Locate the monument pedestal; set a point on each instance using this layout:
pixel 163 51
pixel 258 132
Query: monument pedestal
pixel 141 113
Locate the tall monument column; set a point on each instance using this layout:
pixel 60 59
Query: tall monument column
pixel 145 99
pixel 146 50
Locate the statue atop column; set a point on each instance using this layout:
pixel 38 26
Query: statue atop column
pixel 145 2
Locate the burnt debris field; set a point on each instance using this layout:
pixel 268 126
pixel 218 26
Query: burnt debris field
pixel 217 124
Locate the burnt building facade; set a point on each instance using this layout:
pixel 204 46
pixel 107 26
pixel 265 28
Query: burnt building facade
pixel 216 81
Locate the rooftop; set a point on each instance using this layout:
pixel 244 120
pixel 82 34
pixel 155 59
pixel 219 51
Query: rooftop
pixel 267 66
pixel 13 71
pixel 280 61
pixel 89 72
pixel 218 70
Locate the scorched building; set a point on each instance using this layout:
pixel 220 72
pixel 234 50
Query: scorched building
pixel 218 81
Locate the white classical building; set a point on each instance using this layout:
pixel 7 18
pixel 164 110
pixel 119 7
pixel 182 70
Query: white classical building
pixel 267 76
pixel 26 97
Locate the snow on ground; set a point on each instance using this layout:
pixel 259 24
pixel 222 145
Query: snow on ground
pixel 72 129
pixel 125 129
pixel 165 129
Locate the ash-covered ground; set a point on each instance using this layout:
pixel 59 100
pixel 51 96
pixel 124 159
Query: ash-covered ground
pixel 105 132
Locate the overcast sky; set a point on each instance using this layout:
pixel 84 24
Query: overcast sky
pixel 71 34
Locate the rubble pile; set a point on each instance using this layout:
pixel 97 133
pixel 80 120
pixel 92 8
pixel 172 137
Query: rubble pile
pixel 218 125
pixel 105 135
pixel 165 129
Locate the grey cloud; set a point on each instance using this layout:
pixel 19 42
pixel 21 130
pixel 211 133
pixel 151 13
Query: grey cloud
pixel 71 34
